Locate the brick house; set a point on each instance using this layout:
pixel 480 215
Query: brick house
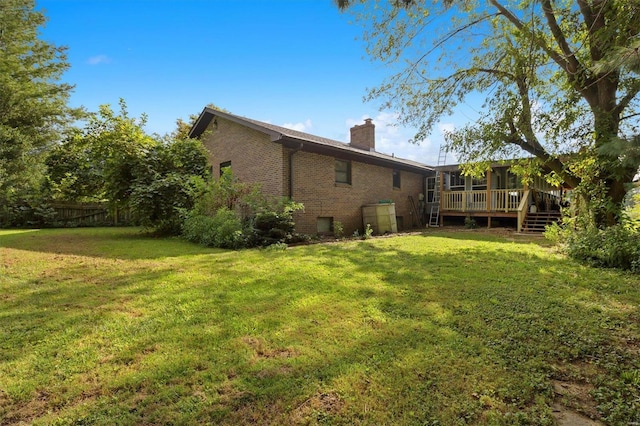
pixel 332 179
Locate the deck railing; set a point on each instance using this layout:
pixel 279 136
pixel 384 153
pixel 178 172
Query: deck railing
pixel 505 200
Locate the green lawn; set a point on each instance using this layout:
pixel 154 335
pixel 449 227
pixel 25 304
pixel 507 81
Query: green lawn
pixel 107 326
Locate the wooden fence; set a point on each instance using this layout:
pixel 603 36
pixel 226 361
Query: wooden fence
pixel 89 214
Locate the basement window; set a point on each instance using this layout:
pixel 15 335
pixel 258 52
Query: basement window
pixel 324 225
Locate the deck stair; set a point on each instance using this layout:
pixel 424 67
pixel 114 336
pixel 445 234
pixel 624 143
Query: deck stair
pixel 537 222
pixel 434 214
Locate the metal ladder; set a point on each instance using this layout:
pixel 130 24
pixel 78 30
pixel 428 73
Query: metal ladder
pixel 434 216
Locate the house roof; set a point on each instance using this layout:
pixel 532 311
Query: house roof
pixel 307 142
pixel 493 165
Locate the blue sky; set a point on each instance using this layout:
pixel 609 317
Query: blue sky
pixel 294 63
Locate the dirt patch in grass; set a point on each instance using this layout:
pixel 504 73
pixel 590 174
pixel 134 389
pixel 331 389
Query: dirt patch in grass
pixel 262 351
pixel 574 404
pixel 320 404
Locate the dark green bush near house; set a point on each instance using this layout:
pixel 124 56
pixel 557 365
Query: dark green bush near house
pixel 470 223
pixel 232 214
pixel 222 230
pixel 165 182
pixel 272 227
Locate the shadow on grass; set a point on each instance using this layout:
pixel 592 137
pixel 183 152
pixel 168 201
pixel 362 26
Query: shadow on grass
pixel 109 243
pixel 385 331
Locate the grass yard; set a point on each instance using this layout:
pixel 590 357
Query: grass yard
pixel 106 326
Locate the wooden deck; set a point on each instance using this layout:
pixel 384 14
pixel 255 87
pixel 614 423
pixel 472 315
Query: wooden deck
pixel 500 201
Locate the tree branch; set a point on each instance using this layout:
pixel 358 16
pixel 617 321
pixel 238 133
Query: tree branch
pixel 557 58
pixel 629 116
pixel 573 66
pixel 587 12
pixel 627 98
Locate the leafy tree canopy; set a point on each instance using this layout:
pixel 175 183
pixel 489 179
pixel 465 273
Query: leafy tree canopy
pixel 97 161
pixel 560 78
pixel 33 100
pixel 112 158
pixel 184 127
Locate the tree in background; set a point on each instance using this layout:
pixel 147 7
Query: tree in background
pixel 560 80
pixel 164 184
pixel 33 100
pixel 113 159
pixel 184 127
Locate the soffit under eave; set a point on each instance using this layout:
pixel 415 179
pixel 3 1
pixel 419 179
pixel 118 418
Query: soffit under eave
pixel 208 115
pixel 338 152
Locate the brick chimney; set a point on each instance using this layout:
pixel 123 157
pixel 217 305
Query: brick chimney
pixel 363 136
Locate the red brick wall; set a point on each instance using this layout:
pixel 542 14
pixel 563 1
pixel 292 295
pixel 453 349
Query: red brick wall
pixel 315 187
pixel 254 158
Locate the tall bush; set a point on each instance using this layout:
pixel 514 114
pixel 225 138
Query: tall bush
pixel 223 229
pixel 613 247
pixel 231 214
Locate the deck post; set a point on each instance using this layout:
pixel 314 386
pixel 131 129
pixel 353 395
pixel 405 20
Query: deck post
pixel 489 193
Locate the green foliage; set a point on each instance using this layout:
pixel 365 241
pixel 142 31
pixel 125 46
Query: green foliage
pixel 97 162
pixel 633 204
pixel 338 229
pixel 263 222
pixel 31 213
pixel 277 247
pixel 470 223
pixel 222 230
pixel 164 183
pixel 74 171
pixel 230 193
pixel 33 101
pixel 556 234
pixel 558 87
pixel 613 247
pixel 119 144
pixel 368 232
pixel 276 225
pixel 113 159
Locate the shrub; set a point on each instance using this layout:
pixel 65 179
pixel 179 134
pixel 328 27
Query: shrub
pixel 338 229
pixel 232 214
pixel 368 231
pixel 470 223
pixel 555 233
pixel 27 214
pixel 276 225
pixel 277 247
pixel 222 230
pixel 613 247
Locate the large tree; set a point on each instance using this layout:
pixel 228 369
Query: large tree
pixel 559 78
pixel 98 162
pixel 33 99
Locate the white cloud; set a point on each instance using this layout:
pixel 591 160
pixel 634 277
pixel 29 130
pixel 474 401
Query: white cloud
pixel 446 128
pixel 99 59
pixel 301 127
